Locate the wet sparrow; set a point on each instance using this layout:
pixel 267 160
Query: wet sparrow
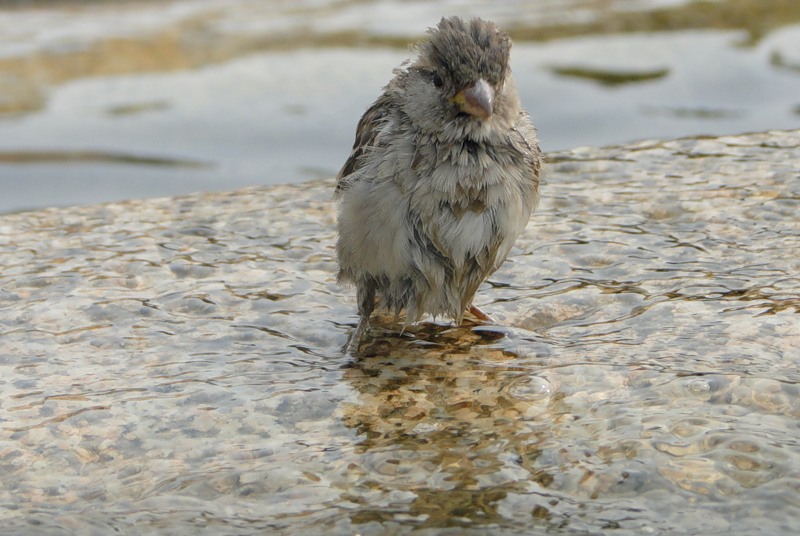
pixel 443 177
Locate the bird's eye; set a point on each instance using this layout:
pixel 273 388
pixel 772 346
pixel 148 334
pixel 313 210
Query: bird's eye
pixel 437 80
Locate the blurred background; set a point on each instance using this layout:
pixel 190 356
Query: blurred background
pixel 109 100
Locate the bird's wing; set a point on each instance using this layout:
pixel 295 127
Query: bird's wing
pixel 366 134
pixel 529 144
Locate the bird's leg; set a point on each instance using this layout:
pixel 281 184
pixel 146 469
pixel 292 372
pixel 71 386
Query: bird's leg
pixel 366 304
pixel 354 340
pixel 478 313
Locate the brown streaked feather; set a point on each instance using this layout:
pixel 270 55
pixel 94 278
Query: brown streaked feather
pixel 366 132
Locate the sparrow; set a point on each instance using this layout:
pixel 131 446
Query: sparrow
pixel 442 178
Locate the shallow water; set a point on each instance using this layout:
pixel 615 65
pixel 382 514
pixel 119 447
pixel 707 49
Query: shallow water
pixel 142 99
pixel 172 366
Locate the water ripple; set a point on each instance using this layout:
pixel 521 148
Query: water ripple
pixel 176 360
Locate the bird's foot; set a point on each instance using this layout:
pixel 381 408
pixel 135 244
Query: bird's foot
pixel 354 340
pixel 478 313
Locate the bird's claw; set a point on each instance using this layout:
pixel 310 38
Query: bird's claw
pixel 354 340
pixel 478 313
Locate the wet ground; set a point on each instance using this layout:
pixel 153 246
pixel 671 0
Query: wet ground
pixel 141 99
pixel 171 366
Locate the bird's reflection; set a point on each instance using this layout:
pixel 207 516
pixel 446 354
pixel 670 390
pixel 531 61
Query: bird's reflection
pixel 449 425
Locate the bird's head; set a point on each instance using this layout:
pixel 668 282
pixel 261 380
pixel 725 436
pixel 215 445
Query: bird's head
pixel 467 63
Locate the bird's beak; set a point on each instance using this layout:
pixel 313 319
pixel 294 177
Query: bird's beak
pixel 477 99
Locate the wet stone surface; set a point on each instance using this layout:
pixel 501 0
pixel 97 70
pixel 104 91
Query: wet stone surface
pixel 172 365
